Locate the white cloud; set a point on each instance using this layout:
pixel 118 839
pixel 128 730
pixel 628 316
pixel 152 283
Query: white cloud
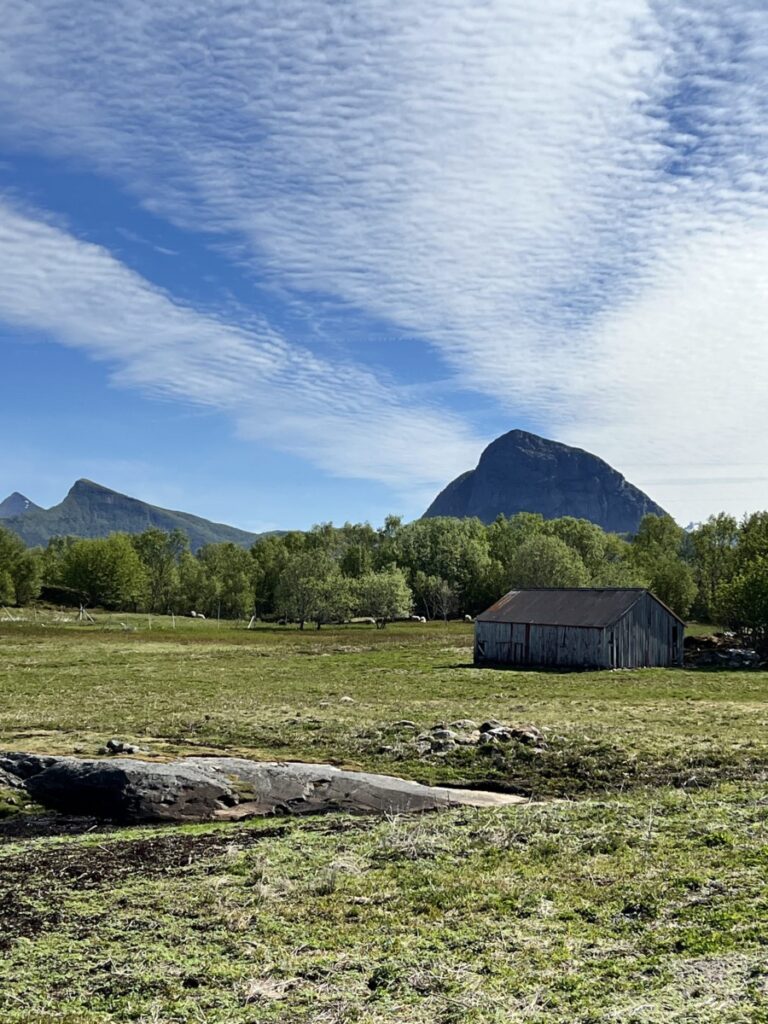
pixel 566 199
pixel 340 417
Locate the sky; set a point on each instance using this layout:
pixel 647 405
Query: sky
pixel 279 264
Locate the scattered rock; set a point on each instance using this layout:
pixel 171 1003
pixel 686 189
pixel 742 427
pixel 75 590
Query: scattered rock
pixel 492 723
pixel 9 781
pixel 120 747
pixel 346 700
pixel 735 657
pixel 440 739
pixel 207 788
pixel 404 723
pixel 719 650
pixel 470 739
pixel 441 733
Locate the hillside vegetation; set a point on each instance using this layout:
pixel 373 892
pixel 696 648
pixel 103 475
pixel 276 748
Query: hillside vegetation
pixel 436 568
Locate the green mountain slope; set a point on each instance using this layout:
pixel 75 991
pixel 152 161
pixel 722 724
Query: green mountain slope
pixel 90 510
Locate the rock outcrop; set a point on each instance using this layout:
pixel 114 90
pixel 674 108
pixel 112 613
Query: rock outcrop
pixel 522 472
pixel 16 505
pixel 209 788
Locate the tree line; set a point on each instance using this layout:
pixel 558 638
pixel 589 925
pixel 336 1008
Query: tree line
pixel 438 568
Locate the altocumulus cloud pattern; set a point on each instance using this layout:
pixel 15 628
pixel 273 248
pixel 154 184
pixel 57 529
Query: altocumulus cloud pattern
pixel 563 204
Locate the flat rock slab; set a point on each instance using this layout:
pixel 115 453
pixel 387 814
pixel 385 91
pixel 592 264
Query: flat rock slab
pixel 209 788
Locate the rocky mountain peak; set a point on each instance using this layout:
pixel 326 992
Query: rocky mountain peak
pixel 15 504
pixel 523 472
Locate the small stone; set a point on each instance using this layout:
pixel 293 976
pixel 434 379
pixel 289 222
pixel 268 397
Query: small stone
pixel 464 724
pixel 404 723
pixel 498 735
pixel 346 700
pixel 470 740
pixel 443 734
pixel 492 723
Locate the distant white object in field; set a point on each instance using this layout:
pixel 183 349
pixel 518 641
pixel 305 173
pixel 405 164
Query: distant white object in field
pixel 467 618
pixel 197 615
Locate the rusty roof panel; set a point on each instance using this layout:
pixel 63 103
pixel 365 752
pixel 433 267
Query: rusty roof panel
pixel 576 606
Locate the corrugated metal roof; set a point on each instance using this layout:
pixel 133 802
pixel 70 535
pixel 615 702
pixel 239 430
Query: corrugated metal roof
pixel 567 606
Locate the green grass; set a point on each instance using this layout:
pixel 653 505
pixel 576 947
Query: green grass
pixel 637 896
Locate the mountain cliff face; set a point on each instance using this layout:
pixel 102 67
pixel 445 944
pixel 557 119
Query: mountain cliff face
pixel 90 510
pixel 522 472
pixel 16 505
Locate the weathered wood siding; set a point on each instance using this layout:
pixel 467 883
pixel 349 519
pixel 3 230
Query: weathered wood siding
pixel 647 635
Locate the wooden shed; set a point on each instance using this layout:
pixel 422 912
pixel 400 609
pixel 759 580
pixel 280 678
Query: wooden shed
pixel 579 627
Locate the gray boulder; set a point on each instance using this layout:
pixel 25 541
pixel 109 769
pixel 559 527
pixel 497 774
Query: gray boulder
pixel 130 791
pixel 209 788
pixel 21 765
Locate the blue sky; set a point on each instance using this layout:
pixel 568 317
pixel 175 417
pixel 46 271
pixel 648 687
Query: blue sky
pixel 279 264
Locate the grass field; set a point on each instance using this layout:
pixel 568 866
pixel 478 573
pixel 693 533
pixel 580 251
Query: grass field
pixel 632 888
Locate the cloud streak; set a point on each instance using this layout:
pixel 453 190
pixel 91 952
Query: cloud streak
pixel 567 201
pixel 340 417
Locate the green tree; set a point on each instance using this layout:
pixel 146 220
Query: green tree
pixel 7 590
pixel 159 552
pixel 334 597
pixel 714 545
pixel 105 571
pixel 20 570
pixel 583 537
pixel 546 561
pixel 297 595
pixel 231 579
pixel 384 595
pixel 196 591
pixel 455 550
pixel 753 539
pixel 742 603
pixel 434 595
pixel 270 555
pixel 657 553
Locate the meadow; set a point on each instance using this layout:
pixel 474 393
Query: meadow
pixel 632 886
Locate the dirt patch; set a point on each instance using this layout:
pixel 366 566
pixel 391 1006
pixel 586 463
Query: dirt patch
pixel 37 826
pixel 91 865
pixel 34 884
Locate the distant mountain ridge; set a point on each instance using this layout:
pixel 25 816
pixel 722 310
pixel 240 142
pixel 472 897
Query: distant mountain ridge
pixel 522 472
pixel 91 510
pixel 16 505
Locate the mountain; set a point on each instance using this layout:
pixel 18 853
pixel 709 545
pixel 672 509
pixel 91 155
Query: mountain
pixel 522 472
pixel 90 510
pixel 16 505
